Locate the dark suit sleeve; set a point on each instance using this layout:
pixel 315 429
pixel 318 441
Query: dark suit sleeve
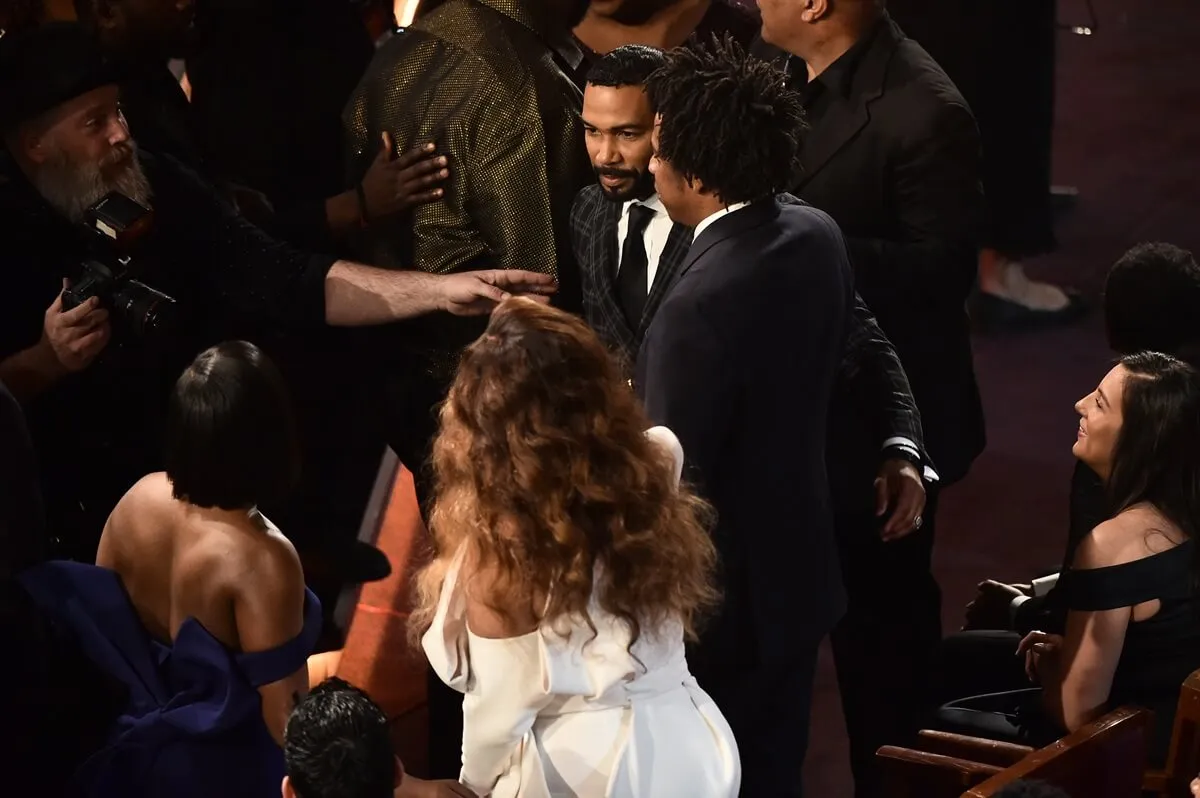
pixel 877 382
pixel 689 385
pixel 581 212
pixel 1030 613
pixel 938 202
pixel 22 519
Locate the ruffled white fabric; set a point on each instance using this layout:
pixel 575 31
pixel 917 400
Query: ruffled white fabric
pixel 561 713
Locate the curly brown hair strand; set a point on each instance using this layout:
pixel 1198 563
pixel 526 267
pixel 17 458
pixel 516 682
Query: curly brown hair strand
pixel 543 470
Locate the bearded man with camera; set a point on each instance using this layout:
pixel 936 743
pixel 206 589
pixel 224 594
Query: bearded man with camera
pixel 122 266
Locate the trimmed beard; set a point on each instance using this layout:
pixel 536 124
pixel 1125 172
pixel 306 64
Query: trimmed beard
pixel 71 187
pixel 642 188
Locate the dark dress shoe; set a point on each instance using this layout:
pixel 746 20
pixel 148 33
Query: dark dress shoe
pixel 991 313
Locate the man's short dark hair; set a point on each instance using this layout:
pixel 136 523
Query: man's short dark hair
pixel 230 435
pixel 337 745
pixel 729 120
pixel 1152 300
pixel 628 65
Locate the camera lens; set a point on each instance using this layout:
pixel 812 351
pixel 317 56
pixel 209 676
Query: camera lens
pixel 143 308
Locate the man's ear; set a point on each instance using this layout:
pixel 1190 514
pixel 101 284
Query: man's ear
pixel 813 10
pixel 28 144
pixel 286 788
pixel 399 774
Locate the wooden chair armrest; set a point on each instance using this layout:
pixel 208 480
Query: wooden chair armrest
pixel 975 749
pixel 908 773
pixel 1156 782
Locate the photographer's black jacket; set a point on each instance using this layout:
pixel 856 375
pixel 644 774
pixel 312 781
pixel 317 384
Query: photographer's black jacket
pixel 98 431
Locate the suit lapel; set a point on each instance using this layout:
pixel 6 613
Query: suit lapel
pixel 847 115
pixel 605 264
pixel 679 240
pixel 728 226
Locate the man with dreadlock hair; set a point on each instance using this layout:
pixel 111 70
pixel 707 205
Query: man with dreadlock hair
pixel 740 362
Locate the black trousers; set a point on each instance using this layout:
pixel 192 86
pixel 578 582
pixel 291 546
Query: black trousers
pixel 1013 100
pixel 768 706
pixel 412 425
pixel 977 662
pixel 984 691
pixel 885 647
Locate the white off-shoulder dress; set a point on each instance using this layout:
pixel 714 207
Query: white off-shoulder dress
pixel 560 713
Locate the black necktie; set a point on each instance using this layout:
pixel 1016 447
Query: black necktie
pixel 631 275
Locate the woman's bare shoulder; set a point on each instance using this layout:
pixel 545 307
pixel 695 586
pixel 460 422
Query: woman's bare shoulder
pixel 1133 534
pixel 151 492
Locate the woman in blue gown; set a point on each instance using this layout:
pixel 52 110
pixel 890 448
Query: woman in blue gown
pixel 197 604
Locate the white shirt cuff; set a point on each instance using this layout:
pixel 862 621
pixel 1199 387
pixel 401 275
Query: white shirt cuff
pixel 1044 585
pixel 928 474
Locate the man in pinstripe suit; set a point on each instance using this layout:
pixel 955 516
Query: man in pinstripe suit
pixel 617 120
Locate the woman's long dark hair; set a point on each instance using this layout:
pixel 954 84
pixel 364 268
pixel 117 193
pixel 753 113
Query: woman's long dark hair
pixel 1156 459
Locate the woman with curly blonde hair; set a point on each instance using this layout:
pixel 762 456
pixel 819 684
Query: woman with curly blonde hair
pixel 570 566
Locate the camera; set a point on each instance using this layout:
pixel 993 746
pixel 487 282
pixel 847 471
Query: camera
pixel 118 222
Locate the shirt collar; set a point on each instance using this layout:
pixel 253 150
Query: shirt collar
pixel 839 76
pixel 704 223
pixel 652 202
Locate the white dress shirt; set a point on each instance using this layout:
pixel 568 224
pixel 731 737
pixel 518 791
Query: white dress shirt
pixel 655 235
pixel 737 206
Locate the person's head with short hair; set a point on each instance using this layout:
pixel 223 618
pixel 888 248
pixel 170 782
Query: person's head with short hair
pixel 337 744
pixel 1152 300
pixel 817 30
pixel 618 121
pixel 728 130
pixel 1140 432
pixel 230 436
pixel 61 119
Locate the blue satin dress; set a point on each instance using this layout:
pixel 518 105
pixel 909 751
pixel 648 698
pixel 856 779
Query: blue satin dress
pixel 192 724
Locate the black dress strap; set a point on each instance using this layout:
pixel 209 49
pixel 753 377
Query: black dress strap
pixel 1166 576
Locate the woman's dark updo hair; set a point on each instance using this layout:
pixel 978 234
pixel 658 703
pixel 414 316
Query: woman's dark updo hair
pixel 231 437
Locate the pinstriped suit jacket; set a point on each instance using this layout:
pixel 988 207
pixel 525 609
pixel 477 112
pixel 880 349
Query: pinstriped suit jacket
pixel 594 239
pixel 871 376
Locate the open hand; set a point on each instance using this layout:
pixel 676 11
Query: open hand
pixel 899 486
pixel 394 184
pixel 1036 646
pixel 477 293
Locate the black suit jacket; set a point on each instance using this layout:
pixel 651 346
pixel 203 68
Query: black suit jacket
pixel 895 160
pixel 746 387
pixel 872 377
